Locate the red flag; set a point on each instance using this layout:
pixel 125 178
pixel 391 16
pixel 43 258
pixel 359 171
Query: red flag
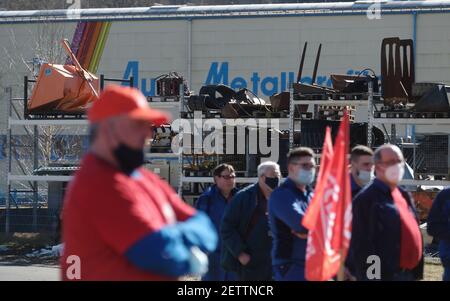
pixel 330 227
pixel 327 154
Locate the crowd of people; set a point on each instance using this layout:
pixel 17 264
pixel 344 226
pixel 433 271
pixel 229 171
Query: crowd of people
pixel 125 223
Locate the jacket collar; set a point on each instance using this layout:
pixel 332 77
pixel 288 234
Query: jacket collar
pixel 354 185
pixel 213 191
pixel 382 186
pixel 288 183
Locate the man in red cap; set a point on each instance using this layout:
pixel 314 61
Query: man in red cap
pixel 121 221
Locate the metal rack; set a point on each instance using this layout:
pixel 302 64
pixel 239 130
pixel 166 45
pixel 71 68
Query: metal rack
pixel 342 103
pixel 283 123
pixel 441 123
pixel 15 120
pixel 371 106
pixel 32 179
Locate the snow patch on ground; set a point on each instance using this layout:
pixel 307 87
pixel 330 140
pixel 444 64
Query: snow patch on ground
pixel 50 251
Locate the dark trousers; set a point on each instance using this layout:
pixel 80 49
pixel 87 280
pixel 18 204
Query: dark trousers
pixel 289 272
pixel 446 276
pixel 403 276
pixel 250 274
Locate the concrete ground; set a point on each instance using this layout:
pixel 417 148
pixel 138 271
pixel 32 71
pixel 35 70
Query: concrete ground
pixel 14 272
pixel 15 265
pixel 39 272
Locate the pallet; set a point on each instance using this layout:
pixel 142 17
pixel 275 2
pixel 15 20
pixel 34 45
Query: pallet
pixel 304 115
pixel 321 96
pixel 205 115
pixel 334 111
pixel 163 98
pixel 336 118
pixel 56 115
pixel 334 96
pixel 337 108
pixel 350 96
pixel 331 114
pixel 259 114
pixel 406 114
pixel 430 115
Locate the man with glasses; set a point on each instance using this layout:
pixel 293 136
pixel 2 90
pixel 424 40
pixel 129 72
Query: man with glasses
pixel 246 242
pixel 287 206
pixel 386 241
pixel 213 202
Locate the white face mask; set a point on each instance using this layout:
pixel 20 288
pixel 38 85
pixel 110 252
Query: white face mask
pixel 394 173
pixel 306 177
pixel 365 176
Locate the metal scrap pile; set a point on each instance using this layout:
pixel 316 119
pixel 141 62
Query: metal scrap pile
pixel 345 87
pixel 169 85
pixel 221 100
pixel 403 97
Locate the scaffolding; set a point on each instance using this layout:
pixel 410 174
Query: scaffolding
pixel 32 174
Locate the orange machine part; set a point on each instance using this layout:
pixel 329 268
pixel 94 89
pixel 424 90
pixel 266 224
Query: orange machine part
pixel 60 88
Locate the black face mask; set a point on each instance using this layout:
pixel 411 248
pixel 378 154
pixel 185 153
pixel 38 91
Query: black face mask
pixel 272 182
pixel 128 158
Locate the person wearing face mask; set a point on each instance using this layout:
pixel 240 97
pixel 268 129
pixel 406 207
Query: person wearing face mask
pixel 287 206
pixel 246 243
pixel 438 226
pixel 361 169
pixel 361 173
pixel 121 221
pixel 385 224
pixel 213 202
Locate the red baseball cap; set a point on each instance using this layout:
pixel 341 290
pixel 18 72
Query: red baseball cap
pixel 119 100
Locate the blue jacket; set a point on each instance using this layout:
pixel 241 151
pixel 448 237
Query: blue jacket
pixel 376 231
pixel 438 224
pixel 213 204
pixel 287 206
pixel 245 228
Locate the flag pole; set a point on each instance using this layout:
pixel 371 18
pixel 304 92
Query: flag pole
pixel 341 272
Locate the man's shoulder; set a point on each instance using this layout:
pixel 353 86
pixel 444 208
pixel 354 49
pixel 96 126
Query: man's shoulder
pixel 247 190
pixel 94 170
pixel 94 182
pixel 209 192
pixel 281 196
pixel 208 195
pixel 368 194
pixel 95 176
pixel 445 194
pixel 283 190
pixel 370 188
pixel 244 195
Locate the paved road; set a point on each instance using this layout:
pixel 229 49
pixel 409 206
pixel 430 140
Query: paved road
pixel 28 272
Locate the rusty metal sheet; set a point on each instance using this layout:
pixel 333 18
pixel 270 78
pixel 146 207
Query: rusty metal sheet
pixel 397 70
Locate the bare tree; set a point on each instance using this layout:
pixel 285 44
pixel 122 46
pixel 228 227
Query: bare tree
pixel 45 39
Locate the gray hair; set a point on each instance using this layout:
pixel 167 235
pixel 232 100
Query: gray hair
pixel 265 166
pixel 379 150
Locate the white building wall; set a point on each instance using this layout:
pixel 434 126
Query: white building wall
pixel 262 52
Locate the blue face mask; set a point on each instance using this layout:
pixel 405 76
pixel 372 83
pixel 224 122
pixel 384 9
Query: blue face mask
pixel 305 177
